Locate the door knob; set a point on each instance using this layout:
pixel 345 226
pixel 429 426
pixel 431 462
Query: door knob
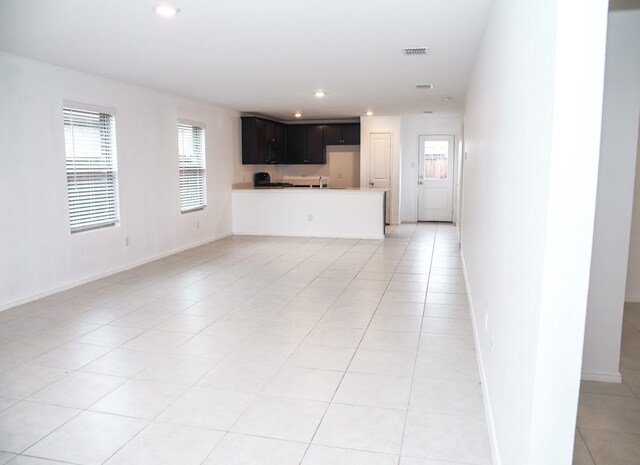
pixel 371 184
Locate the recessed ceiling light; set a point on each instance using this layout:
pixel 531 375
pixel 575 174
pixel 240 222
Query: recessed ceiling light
pixel 369 113
pixel 446 98
pixel 319 93
pixel 166 10
pixel 298 114
pixel 424 86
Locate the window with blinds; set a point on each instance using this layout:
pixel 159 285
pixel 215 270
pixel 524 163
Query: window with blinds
pixel 90 146
pixel 191 154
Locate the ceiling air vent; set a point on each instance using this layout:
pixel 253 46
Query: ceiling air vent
pixel 424 86
pixel 415 51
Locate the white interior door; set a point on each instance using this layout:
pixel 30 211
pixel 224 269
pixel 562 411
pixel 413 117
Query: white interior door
pixel 435 183
pixel 380 165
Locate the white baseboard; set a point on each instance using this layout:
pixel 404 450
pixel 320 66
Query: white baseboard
pixel 72 284
pixel 631 299
pixel 493 437
pixel 602 377
pixel 377 237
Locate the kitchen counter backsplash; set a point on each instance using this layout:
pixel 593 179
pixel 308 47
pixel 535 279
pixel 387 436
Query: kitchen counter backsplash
pixel 296 180
pixel 304 180
pixel 242 185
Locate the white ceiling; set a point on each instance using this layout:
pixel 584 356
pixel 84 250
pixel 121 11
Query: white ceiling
pixel 263 56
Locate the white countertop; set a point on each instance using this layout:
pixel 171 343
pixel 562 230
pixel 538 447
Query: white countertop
pixel 307 190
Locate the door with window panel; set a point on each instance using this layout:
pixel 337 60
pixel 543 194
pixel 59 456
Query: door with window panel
pixel 435 180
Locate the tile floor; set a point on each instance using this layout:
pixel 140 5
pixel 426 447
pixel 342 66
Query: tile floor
pixel 253 350
pixel 608 431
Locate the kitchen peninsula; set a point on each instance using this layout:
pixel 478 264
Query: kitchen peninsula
pixel 312 212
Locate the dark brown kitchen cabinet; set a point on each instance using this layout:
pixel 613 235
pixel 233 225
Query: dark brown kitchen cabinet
pixel 351 134
pixel 296 143
pixel 263 141
pixel 305 144
pixel 342 134
pixel 315 144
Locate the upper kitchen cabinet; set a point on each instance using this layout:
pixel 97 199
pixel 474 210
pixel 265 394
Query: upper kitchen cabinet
pixel 342 134
pixel 296 143
pixel 263 141
pixel 305 144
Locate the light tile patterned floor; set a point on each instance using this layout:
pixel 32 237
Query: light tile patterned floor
pixel 252 350
pixel 608 430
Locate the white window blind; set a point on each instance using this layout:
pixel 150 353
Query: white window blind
pixel 193 189
pixel 90 146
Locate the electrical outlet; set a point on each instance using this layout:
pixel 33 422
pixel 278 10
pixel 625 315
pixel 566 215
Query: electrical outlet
pixel 198 224
pixel 310 217
pixel 126 241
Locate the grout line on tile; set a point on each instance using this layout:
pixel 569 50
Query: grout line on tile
pixel 587 446
pixel 415 360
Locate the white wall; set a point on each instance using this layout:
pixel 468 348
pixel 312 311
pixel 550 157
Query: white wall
pixel 383 124
pixel 38 253
pixel 618 152
pixel 412 128
pixel 633 271
pixel 532 125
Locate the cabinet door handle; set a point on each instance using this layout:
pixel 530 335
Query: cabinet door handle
pixel 371 184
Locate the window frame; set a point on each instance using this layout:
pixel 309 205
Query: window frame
pixel 89 193
pixel 200 168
